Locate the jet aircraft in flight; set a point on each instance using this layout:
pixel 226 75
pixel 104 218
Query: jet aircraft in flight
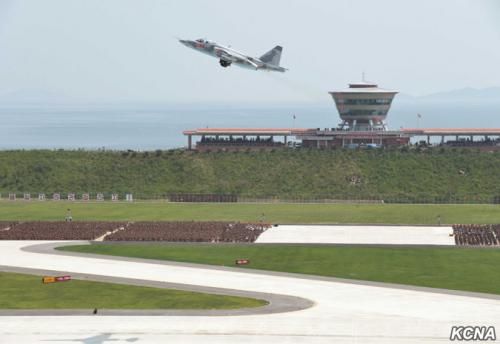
pixel 227 56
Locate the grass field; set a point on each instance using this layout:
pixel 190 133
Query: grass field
pixel 450 268
pixel 463 174
pixel 19 291
pixel 273 213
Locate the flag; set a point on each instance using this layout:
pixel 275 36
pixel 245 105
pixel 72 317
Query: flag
pixel 294 117
pixel 419 115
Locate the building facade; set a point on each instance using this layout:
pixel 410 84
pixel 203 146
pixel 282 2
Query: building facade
pixel 363 106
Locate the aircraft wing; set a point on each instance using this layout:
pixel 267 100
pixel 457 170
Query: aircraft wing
pixel 226 56
pixel 252 63
pixel 230 57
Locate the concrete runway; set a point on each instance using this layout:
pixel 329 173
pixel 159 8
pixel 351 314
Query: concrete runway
pixel 343 312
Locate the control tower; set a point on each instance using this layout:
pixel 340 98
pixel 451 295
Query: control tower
pixel 363 106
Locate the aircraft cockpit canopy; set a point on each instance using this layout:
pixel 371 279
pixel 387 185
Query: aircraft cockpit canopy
pixel 203 41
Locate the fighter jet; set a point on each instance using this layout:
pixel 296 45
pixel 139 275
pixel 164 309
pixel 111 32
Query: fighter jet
pixel 269 61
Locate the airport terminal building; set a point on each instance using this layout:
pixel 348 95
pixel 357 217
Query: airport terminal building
pixel 363 109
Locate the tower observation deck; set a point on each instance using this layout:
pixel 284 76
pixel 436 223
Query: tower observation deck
pixel 363 106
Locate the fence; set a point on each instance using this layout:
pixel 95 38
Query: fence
pixel 388 200
pixel 231 198
pixel 224 198
pixel 72 197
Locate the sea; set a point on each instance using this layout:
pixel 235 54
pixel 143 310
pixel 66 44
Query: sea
pixel 160 126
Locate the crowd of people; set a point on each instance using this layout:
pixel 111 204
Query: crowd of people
pixel 132 231
pixel 6 225
pixel 189 232
pixel 210 141
pixel 57 230
pixel 214 232
pixel 470 143
pixel 477 235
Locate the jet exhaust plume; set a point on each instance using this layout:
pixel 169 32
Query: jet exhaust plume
pixel 312 93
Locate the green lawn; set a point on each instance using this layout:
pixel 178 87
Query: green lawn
pixel 274 213
pixel 405 174
pixel 19 291
pixel 450 268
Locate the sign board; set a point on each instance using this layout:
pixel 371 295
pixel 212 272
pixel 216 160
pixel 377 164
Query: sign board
pixel 129 198
pixel 71 197
pixel 100 197
pixel 85 197
pixel 27 197
pixel 41 197
pixel 54 279
pixel 48 279
pixel 12 197
pixel 114 197
pixel 56 197
pixel 242 261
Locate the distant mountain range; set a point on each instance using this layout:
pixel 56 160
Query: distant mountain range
pixel 467 94
pixel 33 96
pixel 492 93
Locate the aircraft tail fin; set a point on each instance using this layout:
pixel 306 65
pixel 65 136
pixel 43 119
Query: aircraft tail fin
pixel 273 56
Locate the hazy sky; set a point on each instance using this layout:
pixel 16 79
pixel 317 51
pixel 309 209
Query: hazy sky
pixel 124 50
